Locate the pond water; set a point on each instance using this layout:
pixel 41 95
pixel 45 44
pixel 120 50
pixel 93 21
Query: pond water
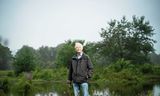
pixel 156 90
pixel 150 92
pixel 62 89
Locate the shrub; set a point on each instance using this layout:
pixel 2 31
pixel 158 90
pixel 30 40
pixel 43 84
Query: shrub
pixel 156 70
pixel 146 69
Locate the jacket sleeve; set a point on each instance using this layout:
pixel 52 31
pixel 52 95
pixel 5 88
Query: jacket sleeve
pixel 90 68
pixel 70 72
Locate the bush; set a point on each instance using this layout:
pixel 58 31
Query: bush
pixel 146 69
pixel 156 70
pixel 4 85
pixel 122 64
pixel 22 86
pixel 50 74
pixel 45 74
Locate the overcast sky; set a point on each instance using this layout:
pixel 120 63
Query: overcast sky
pixel 51 22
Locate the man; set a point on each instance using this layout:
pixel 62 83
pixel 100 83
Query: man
pixel 80 71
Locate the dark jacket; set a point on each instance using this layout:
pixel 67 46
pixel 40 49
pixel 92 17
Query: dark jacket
pixel 80 69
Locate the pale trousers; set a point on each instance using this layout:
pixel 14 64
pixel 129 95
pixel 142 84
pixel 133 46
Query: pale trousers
pixel 78 86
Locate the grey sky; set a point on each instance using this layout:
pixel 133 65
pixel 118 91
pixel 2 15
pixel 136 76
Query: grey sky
pixel 51 22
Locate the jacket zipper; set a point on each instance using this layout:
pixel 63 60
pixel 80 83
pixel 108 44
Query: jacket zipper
pixel 76 66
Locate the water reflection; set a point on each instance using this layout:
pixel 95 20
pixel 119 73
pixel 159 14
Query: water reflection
pixel 48 94
pixel 101 93
pixel 156 90
pixel 61 89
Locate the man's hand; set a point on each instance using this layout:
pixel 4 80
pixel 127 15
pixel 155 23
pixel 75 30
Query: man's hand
pixel 68 82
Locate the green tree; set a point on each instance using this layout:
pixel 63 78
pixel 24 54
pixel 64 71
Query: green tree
pixel 5 57
pixel 130 40
pixel 92 50
pixel 46 56
pixel 25 60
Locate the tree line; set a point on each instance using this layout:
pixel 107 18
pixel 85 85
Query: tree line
pixel 121 40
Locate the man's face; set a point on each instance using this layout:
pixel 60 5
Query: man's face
pixel 78 49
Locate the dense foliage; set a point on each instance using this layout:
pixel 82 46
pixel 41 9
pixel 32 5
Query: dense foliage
pixel 5 57
pixel 130 40
pixel 25 60
pixel 46 56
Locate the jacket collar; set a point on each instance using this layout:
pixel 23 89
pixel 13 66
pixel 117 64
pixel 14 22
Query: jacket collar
pixel 76 58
